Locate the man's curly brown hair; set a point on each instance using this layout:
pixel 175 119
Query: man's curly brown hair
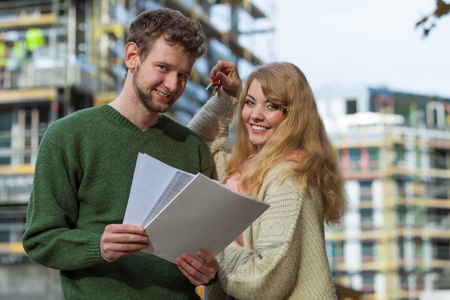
pixel 173 26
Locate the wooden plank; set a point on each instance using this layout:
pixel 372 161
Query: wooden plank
pixel 48 94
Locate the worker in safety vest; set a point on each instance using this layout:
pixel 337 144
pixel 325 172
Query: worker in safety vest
pixel 34 39
pixel 15 61
pixel 2 59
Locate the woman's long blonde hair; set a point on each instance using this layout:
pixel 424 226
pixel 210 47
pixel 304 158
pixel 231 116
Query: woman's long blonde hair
pixel 285 85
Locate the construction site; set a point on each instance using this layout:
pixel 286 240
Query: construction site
pixel 394 149
pixel 60 56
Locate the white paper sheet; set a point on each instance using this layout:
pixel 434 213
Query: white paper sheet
pixel 203 215
pixel 150 179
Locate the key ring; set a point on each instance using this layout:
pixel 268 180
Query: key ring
pixel 215 82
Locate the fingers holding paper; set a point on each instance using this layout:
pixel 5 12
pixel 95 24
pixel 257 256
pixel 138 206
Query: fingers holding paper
pixel 198 272
pixel 122 239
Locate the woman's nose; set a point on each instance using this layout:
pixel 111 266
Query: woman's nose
pixel 257 114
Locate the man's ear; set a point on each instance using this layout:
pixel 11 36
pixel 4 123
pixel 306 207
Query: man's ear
pixel 131 55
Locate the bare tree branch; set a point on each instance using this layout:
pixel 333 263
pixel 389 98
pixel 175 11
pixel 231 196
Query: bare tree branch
pixel 429 22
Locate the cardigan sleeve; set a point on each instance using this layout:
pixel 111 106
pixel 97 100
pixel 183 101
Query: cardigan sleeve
pixel 212 124
pixel 213 120
pixel 267 266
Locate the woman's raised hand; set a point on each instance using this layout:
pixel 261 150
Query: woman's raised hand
pixel 229 76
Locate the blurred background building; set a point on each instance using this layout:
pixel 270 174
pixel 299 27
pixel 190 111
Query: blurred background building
pixel 59 56
pixel 394 149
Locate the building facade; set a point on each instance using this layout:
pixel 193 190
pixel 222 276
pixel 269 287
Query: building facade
pixel 394 150
pixel 59 56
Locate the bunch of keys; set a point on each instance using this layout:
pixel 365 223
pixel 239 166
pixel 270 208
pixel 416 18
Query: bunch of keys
pixel 216 83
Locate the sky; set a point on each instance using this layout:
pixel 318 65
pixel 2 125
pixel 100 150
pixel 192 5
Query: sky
pixel 363 43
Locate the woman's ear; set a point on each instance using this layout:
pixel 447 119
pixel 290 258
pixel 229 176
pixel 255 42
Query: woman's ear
pixel 131 55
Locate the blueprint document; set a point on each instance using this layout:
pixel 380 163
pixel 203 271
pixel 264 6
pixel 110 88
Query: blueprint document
pixel 183 213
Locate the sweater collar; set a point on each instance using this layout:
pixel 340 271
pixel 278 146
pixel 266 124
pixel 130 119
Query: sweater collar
pixel 127 124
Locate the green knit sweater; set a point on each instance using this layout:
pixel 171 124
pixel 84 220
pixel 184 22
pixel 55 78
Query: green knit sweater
pixel 82 181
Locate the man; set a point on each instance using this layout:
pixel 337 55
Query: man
pixel 85 167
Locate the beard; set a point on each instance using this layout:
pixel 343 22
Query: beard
pixel 146 98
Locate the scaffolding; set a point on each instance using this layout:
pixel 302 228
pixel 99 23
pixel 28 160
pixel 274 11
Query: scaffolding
pixel 394 241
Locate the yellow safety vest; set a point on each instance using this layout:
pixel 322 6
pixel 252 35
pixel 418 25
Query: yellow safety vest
pixel 2 54
pixel 34 38
pixel 18 50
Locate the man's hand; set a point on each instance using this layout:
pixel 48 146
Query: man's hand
pixel 198 272
pixel 229 76
pixel 122 239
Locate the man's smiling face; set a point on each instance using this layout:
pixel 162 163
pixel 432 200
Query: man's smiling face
pixel 161 78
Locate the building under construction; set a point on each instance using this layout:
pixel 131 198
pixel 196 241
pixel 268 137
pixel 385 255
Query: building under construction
pixel 59 56
pixel 394 150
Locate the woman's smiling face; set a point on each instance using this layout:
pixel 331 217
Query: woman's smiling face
pixel 261 117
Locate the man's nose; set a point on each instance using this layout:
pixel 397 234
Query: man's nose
pixel 171 82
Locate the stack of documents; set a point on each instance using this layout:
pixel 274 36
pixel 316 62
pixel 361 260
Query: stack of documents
pixel 183 213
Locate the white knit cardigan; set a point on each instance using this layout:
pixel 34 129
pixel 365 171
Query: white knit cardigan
pixel 284 250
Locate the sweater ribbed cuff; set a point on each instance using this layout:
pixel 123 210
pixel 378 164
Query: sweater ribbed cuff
pixel 93 250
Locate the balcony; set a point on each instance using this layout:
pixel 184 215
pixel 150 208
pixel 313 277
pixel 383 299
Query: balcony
pixel 51 66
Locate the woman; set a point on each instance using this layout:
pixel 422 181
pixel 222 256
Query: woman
pixel 282 156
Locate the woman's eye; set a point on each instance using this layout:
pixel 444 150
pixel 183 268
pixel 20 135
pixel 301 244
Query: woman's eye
pixel 249 102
